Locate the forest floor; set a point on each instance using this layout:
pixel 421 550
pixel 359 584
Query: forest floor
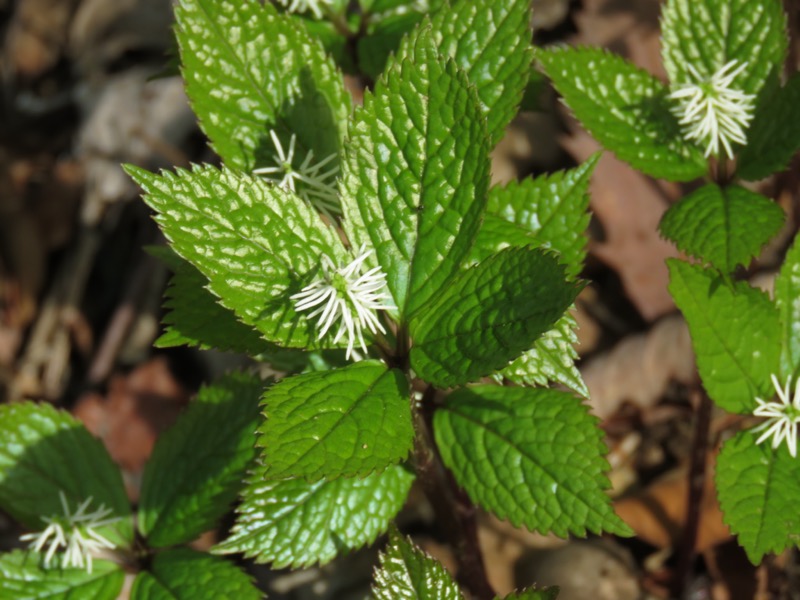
pixel 80 301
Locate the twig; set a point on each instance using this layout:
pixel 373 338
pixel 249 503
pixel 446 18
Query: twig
pixel 124 317
pixel 697 481
pixel 46 357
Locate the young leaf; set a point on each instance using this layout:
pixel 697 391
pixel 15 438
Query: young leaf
pixel 553 208
pixel 198 466
pixel 344 422
pixel 707 34
pixel 196 318
pixel 549 593
pixel 626 109
pixel 416 174
pixel 488 316
pixel 293 523
pixel 552 358
pixel 735 335
pixel 491 42
pixel 23 578
pixel 774 136
pixel 407 573
pixel 46 453
pixel 532 456
pixel 256 243
pixel 183 574
pixel 787 298
pixel 249 70
pixel 726 226
pixel 758 489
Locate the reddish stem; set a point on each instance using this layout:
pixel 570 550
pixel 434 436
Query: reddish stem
pixel 455 513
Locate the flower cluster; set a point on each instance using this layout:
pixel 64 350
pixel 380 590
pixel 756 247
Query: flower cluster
pixel 782 417
pixel 74 531
pixel 712 112
pixel 346 295
pixel 309 180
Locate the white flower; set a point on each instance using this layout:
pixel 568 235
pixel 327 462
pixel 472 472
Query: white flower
pixel 711 111
pixel 782 417
pixel 346 295
pixel 299 6
pixel 74 531
pixel 308 180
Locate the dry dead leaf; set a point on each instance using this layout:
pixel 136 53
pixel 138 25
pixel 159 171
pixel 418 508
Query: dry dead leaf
pixel 103 31
pixel 36 36
pixel 131 119
pixel 630 29
pixel 629 206
pixel 639 368
pixel 136 409
pixel 657 514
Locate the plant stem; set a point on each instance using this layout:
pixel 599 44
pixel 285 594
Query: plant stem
pixel 455 514
pixel 697 482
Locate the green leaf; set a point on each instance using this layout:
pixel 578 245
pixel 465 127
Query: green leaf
pixel 495 235
pixel 249 70
pixel 198 466
pixel 787 298
pixel 626 109
pixel 707 34
pixel 553 208
pixel 488 316
pixel 184 574
pixel 23 578
pixel 726 226
pixel 344 422
pixel 293 523
pixel 256 243
pixel 549 593
pixel 758 489
pixel 491 42
pixel 549 211
pixel 196 318
pixel 46 453
pixel 552 358
pixel 407 573
pixel 774 136
pixel 735 335
pixel 416 174
pixel 548 474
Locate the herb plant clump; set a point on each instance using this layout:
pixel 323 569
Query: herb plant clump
pixel 728 115
pixel 415 314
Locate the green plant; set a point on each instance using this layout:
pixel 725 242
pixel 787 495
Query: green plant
pixel 726 117
pixel 416 314
pixel 441 282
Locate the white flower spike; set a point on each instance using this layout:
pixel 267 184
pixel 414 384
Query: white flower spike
pixel 300 6
pixel 74 531
pixel 712 112
pixel 308 180
pixel 346 295
pixel 782 417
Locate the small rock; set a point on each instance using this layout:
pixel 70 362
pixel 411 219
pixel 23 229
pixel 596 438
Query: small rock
pixel 599 569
